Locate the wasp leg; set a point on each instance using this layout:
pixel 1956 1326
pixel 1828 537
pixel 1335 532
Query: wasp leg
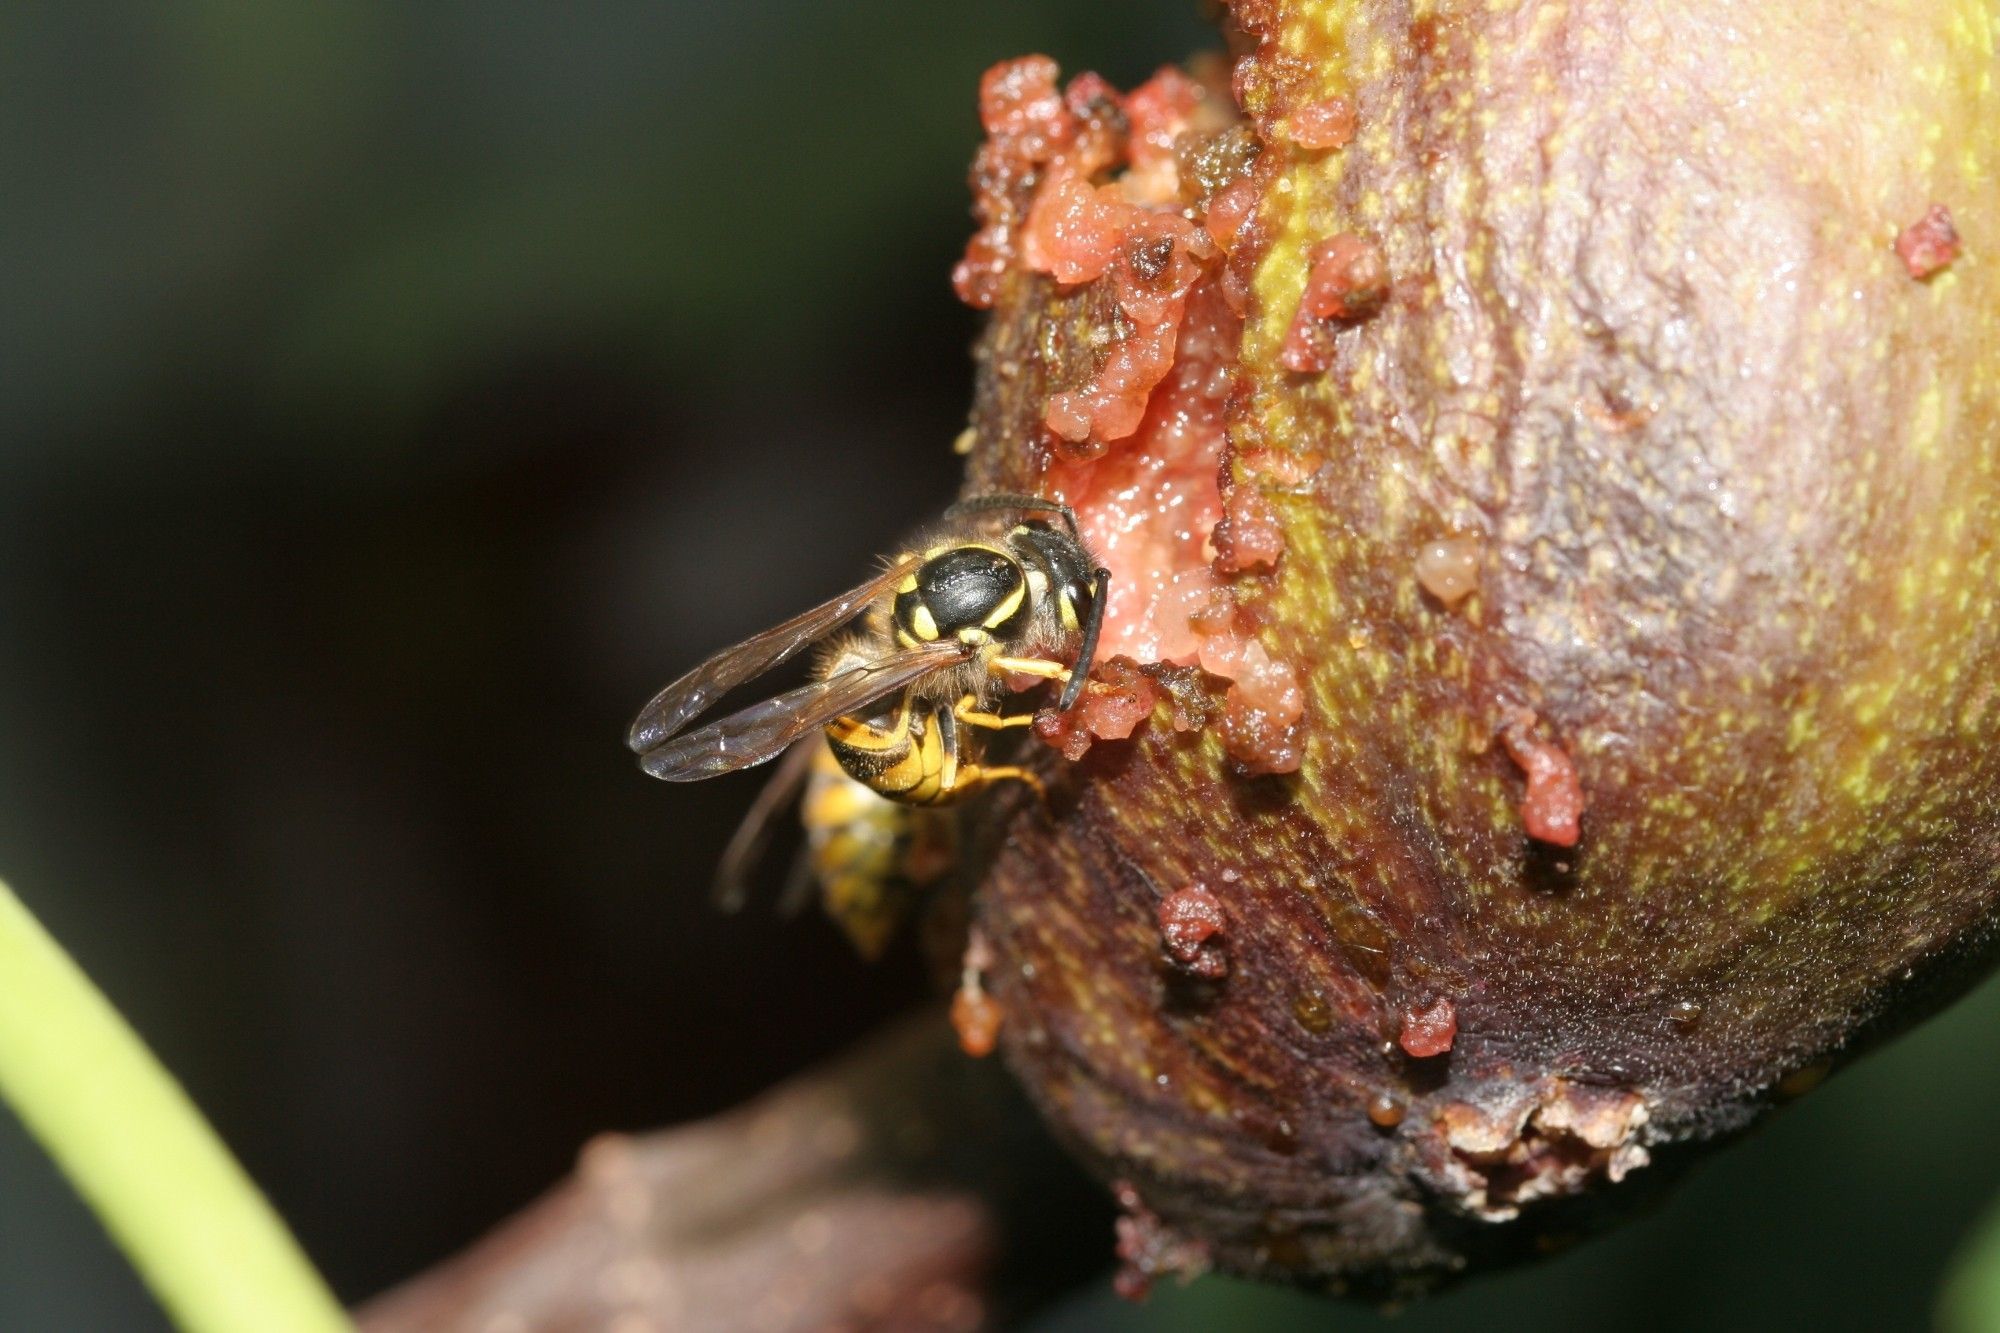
pixel 1028 666
pixel 1027 504
pixel 968 712
pixel 972 777
pixel 1035 666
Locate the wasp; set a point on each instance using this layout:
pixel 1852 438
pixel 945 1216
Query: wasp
pixel 946 626
pixel 872 859
pixel 903 704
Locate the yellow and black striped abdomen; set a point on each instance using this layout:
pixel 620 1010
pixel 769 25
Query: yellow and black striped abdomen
pixel 907 753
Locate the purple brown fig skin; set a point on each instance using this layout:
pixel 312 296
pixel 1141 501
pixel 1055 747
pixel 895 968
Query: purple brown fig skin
pixel 1730 473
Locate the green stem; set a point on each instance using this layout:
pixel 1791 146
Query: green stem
pixel 1971 1299
pixel 140 1154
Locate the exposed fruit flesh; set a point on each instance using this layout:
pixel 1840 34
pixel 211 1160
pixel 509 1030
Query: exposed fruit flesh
pixel 1137 446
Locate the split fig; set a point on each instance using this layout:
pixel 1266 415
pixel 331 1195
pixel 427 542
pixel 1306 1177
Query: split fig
pixel 1687 782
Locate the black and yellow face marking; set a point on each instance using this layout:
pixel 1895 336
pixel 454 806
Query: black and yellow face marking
pixel 1066 610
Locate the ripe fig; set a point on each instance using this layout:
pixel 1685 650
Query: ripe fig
pixel 1551 497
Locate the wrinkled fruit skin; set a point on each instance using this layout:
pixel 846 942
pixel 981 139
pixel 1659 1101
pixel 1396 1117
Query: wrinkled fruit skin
pixel 1729 470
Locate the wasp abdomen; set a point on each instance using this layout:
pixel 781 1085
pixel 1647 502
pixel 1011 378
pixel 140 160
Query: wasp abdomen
pixel 910 756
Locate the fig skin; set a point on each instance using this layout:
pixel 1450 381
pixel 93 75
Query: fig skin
pixel 1730 471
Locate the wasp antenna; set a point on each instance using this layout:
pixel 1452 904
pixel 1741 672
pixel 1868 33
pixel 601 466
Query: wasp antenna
pixel 1086 651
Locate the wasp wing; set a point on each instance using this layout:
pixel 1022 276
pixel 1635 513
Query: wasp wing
pixel 746 847
pixel 687 698
pixel 762 731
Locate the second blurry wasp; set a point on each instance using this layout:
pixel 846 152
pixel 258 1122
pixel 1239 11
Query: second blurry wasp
pixel 872 860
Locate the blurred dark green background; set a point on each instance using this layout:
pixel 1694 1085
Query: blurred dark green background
pixel 390 399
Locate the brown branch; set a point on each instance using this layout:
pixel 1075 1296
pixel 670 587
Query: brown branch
pixel 890 1190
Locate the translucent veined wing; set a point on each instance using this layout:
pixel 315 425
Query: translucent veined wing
pixel 746 846
pixel 762 731
pixel 800 885
pixel 687 698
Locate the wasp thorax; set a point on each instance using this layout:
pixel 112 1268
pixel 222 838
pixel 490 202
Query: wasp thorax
pixel 973 592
